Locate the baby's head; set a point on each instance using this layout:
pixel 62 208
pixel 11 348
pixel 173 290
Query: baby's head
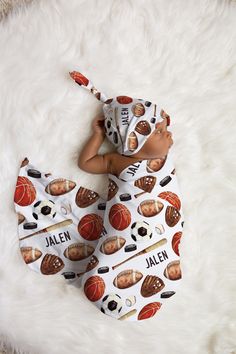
pixel 134 126
pixel 137 127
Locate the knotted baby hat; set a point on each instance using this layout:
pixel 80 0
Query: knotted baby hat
pixel 128 121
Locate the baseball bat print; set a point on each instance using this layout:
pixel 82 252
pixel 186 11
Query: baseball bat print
pixel 127 315
pixel 49 228
pixel 160 243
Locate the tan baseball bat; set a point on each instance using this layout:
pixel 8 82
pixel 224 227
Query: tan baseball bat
pixel 145 250
pixel 49 228
pixel 138 194
pixel 127 315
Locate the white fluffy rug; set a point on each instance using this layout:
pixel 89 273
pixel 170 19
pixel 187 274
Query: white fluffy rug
pixel 180 53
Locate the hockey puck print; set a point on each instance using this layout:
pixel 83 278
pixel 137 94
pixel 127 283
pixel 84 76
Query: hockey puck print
pixel 130 248
pixel 165 181
pixel 30 225
pixel 148 104
pixel 102 270
pixel 69 275
pixel 125 196
pixel 33 173
pixel 153 120
pixel 101 206
pixel 167 294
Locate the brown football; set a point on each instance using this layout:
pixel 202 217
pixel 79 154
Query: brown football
pixel 30 254
pixel 150 207
pixel 78 251
pixel 112 244
pixel 60 186
pixel 127 278
pixel 173 271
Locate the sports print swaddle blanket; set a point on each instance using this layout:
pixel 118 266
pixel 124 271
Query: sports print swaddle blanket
pixel 136 266
pixel 127 245
pixel 124 249
pixel 59 222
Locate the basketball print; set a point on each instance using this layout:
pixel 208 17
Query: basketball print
pixel 172 198
pixel 129 242
pixel 94 288
pixel 176 241
pixel 90 227
pixel 124 99
pixel 149 310
pixel 25 192
pixel 119 216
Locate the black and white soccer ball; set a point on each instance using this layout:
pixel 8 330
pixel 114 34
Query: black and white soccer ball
pixel 44 208
pixel 112 305
pixel 140 231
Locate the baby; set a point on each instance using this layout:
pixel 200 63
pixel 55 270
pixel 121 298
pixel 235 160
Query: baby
pixel 136 265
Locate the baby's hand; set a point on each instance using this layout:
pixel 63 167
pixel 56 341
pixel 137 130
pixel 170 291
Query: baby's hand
pixel 98 124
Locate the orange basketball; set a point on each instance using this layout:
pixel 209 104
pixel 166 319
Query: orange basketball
pixel 149 310
pixel 124 99
pixel 90 227
pixel 119 216
pixel 94 288
pixel 172 198
pixel 175 242
pixel 25 193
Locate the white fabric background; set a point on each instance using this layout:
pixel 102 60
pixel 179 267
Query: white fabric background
pixel 178 53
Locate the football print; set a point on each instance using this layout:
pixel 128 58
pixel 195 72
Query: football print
pixel 60 186
pixel 173 270
pixel 135 262
pixel 150 207
pixel 127 278
pixel 78 251
pixel 112 244
pixel 30 254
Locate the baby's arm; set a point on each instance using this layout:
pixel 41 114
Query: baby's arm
pixel 89 160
